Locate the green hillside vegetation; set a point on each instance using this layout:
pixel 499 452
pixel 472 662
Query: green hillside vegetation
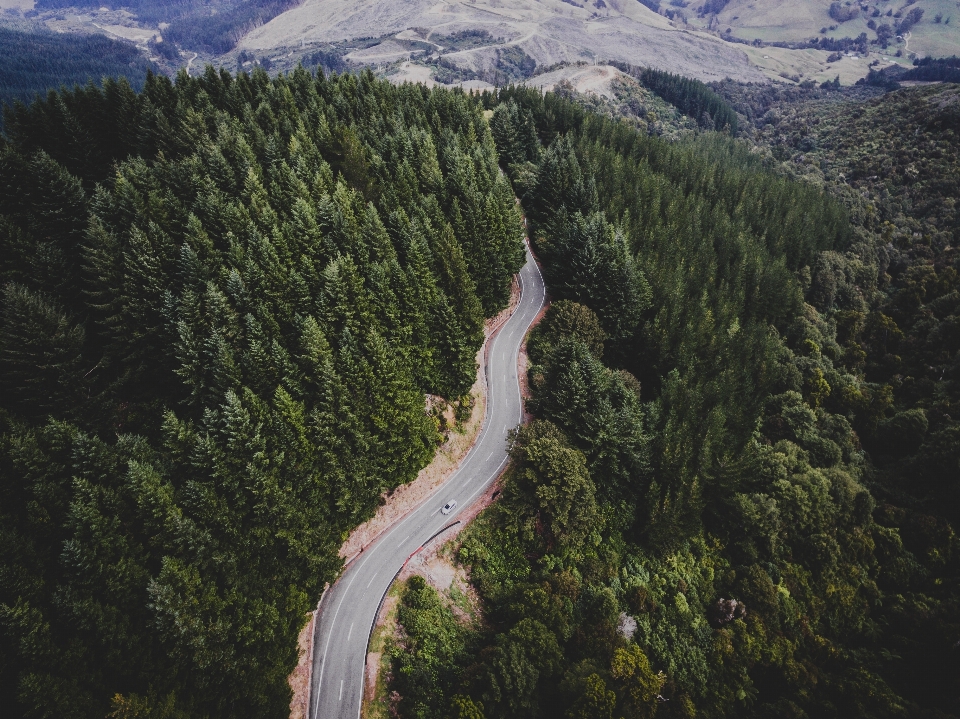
pixel 894 160
pixel 633 103
pixel 739 494
pixel 691 97
pixel 32 63
pixel 224 300
pixel 946 69
pixel 629 100
pixel 753 101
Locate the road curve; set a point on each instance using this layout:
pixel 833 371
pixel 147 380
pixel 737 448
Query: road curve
pixel 350 605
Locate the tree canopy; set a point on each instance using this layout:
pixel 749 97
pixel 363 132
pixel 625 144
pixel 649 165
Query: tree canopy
pixel 750 414
pixel 224 301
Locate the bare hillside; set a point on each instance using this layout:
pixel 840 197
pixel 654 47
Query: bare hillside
pixel 549 31
pixel 591 79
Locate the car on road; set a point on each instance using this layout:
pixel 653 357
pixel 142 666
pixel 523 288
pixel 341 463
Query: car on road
pixel 449 506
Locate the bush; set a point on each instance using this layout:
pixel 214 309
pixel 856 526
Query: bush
pixel 843 13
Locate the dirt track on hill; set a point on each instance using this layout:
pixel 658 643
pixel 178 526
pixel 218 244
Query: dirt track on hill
pixel 549 31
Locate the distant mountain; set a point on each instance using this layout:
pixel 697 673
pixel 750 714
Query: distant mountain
pixel 212 26
pixel 547 31
pixel 33 62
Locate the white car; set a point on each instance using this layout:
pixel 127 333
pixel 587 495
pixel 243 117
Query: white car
pixel 449 506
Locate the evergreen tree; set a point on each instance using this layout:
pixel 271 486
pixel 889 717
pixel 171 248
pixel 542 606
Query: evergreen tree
pixel 224 301
pixel 559 184
pixel 41 353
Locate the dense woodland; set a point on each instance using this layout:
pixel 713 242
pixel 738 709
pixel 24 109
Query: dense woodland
pixel 224 302
pixel 895 162
pixel 33 62
pixel 928 69
pixel 739 494
pixel 691 97
pixel 225 299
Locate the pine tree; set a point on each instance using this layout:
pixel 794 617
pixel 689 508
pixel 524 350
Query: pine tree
pixel 503 126
pixel 41 354
pixel 216 265
pixel 558 184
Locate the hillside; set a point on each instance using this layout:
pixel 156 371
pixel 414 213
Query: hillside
pixel 490 39
pixel 476 42
pixel 774 21
pixel 739 492
pixel 549 32
pixel 224 302
pixel 33 62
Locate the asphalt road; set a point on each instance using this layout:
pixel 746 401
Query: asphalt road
pixel 349 606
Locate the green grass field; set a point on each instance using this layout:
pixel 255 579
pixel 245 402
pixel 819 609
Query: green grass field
pixel 938 40
pixel 778 21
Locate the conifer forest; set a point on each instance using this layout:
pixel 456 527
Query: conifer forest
pixel 224 301
pixel 35 61
pixel 225 298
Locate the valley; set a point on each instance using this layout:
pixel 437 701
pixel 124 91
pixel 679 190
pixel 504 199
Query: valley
pixel 481 43
pixel 479 359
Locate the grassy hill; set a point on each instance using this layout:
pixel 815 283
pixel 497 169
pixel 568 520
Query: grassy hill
pixel 774 21
pixel 498 42
pixel 549 32
pixel 742 39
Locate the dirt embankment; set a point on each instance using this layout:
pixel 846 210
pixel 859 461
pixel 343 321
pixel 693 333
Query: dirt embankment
pixel 300 679
pixel 445 462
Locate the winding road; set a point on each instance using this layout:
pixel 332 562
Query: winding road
pixel 349 607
